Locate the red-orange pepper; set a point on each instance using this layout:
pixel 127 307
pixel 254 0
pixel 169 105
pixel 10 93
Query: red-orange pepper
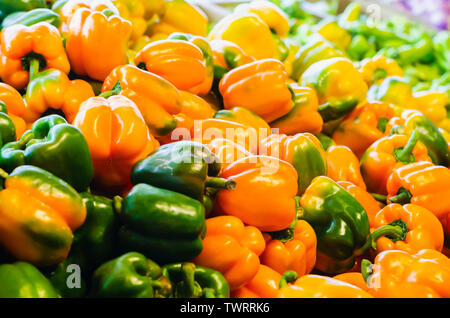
pixel 343 165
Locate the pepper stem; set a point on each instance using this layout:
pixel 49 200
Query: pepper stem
pixel 117 204
pixel 403 197
pixel 208 293
pixel 3 174
pixel 382 123
pixel 404 155
pixel 188 286
pixel 288 277
pixel 220 183
pixel 379 197
pixel 117 88
pixel 34 68
pixel 366 269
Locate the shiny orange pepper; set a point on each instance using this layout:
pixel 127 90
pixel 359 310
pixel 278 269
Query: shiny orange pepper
pixel 421 228
pixel 343 165
pixel 369 203
pixel 231 248
pixel 117 137
pixel 243 116
pixel 96 42
pixel 265 192
pixel 388 153
pixel 247 86
pixel 365 125
pixel 26 50
pixel 227 151
pixel 15 105
pixel 297 254
pixel 421 183
pixel 227 56
pixel 180 62
pixel 317 286
pixel 156 98
pixel 53 89
pixel 353 278
pixel 398 274
pixel 265 284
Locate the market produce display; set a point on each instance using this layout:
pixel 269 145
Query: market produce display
pixel 147 151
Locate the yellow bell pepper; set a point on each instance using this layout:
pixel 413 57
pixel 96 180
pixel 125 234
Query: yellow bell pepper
pixel 377 68
pixel 332 32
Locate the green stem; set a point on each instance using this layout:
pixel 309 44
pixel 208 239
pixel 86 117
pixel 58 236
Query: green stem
pixel 288 277
pixel 190 289
pixel 404 155
pixel 117 204
pixel 209 293
pixel 394 232
pixel 220 183
pixel 34 68
pixel 379 197
pixel 25 139
pixel 382 123
pixel 379 73
pixel 403 197
pixel 366 269
pixel 117 88
pixel 3 174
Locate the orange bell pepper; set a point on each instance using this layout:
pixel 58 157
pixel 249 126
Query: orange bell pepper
pixel 304 116
pixel 97 42
pixel 53 89
pixel 353 278
pixel 343 165
pixel 265 192
pixel 317 286
pixel 398 274
pixel 265 284
pixel 27 50
pixel 15 105
pixel 246 86
pixel 231 248
pixel 156 98
pixel 421 183
pixel 227 151
pixel 297 254
pixel 227 56
pixel 243 116
pixel 179 62
pixel 364 126
pixel 421 228
pixel 369 203
pixel 117 137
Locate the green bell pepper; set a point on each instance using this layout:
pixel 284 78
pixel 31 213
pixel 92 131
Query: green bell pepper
pixel 131 275
pixel 53 145
pixel 164 225
pixel 341 225
pixel 191 281
pixel 7 128
pixel 186 167
pixel 28 18
pixel 9 6
pixel 23 280
pixel 441 45
pixel 93 244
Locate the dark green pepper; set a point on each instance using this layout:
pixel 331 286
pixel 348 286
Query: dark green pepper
pixel 191 281
pixel 29 18
pixel 186 167
pixel 53 145
pixel 7 128
pixel 131 275
pixel 93 244
pixel 341 225
pixel 9 6
pixel 164 225
pixel 23 280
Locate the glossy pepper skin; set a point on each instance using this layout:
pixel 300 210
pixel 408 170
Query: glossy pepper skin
pixel 55 146
pixel 162 224
pixel 316 286
pixel 304 115
pixel 386 154
pixel 363 126
pixel 179 62
pixel 191 281
pixel 231 248
pixel 264 193
pixel 376 69
pixel 243 116
pixel 343 165
pixel 227 151
pixel 93 244
pixel 422 228
pixel 114 148
pixel 40 231
pixel 7 128
pixel 296 253
pixel 32 17
pixel 130 275
pixel 30 49
pixel 303 151
pixel 15 107
pixel 244 86
pixel 186 167
pixel 53 89
pixel 338 84
pixel 265 284
pixel 421 183
pixel 23 280
pixel 340 222
pixel 398 274
pixel 93 34
pixel 156 98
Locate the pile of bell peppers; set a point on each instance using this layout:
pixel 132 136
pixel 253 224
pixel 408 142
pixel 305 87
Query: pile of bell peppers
pixel 146 152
